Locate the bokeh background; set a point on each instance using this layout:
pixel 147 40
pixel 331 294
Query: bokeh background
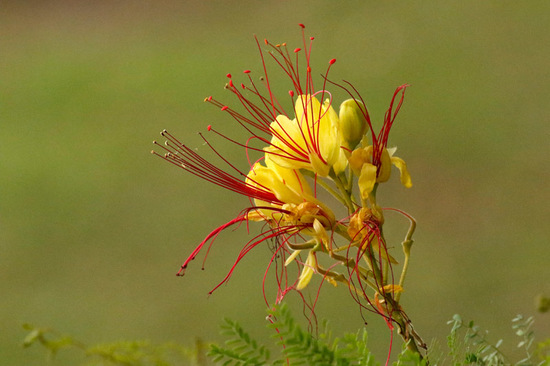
pixel 93 227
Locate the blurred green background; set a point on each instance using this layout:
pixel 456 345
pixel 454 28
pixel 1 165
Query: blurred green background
pixel 93 227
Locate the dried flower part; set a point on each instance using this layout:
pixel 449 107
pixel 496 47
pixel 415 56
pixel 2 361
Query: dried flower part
pixel 359 222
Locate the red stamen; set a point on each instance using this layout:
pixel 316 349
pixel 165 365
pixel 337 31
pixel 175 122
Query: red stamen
pixel 189 160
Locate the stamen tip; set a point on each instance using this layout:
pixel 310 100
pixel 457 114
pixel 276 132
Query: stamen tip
pixel 331 62
pixel 209 127
pixel 228 75
pixel 301 25
pixel 246 71
pixel 224 107
pixel 296 50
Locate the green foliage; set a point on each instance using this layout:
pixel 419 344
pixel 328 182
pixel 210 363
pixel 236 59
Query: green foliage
pixel 469 345
pixel 125 353
pixel 299 347
pixel 242 350
pixel 543 351
pixel 49 339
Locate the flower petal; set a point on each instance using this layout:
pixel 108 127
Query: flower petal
pixel 367 179
pixel 307 272
pixel 405 176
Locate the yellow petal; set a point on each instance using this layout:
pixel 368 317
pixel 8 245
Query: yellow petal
pixel 385 166
pixel 341 162
pixel 287 185
pixel 367 179
pixel 291 257
pixel 307 272
pixel 287 147
pixel 319 128
pixel 405 176
pixel 318 166
pixel 292 179
pixel 358 158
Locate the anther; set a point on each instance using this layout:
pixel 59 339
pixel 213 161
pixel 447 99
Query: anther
pixel 246 71
pixel 297 50
pixel 224 107
pixel 331 62
pixel 228 75
pixel 301 25
pixel 209 127
pixel 291 93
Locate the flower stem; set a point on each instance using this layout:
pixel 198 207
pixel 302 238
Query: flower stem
pixel 407 244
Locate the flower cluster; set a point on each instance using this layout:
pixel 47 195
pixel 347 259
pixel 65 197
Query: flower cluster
pixel 313 148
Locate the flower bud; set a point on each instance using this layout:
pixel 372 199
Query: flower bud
pixel 353 123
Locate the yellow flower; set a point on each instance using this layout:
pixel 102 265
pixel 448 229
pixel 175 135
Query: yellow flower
pixel 361 163
pixel 298 204
pixel 309 141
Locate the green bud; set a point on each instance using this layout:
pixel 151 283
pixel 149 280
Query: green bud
pixel 353 123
